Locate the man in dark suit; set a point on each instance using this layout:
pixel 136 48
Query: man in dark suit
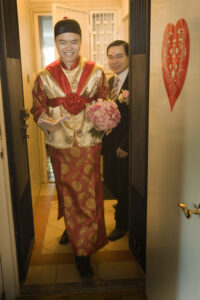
pixel 115 144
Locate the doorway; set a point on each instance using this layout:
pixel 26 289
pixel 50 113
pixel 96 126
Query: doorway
pixel 52 266
pixel 52 187
pixel 45 55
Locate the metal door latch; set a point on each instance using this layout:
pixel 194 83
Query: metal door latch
pixel 24 114
pixel 189 212
pixel 1 146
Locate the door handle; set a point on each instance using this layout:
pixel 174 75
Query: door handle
pixel 189 212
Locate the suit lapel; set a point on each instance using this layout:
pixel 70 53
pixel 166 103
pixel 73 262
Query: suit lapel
pixel 125 85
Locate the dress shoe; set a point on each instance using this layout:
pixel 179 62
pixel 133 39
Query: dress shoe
pixel 84 267
pixel 64 238
pixel 116 234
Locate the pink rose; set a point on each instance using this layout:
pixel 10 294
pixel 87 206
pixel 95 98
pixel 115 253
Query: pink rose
pixel 125 94
pixel 104 115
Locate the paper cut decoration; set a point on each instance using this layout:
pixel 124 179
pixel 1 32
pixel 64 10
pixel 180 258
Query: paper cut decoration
pixel 175 56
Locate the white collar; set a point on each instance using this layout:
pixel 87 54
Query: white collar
pixel 122 75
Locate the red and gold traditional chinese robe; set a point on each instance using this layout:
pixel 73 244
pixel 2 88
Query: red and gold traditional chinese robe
pixel 74 153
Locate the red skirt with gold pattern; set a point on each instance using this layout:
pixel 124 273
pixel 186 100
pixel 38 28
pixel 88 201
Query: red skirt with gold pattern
pixel 80 196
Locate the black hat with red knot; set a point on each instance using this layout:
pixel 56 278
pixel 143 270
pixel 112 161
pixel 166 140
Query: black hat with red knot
pixel 67 25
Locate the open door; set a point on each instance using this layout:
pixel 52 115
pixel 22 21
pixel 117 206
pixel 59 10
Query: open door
pixel 2 291
pixel 139 89
pixel 173 239
pixel 16 132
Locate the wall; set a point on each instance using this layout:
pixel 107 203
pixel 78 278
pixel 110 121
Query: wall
pixel 38 5
pixel 173 242
pixel 90 5
pixel 29 72
pixel 125 19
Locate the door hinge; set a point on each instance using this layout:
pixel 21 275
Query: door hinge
pixel 1 145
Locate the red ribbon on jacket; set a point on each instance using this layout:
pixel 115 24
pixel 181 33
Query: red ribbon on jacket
pixel 73 102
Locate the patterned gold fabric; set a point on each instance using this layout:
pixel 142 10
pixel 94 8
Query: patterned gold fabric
pixel 80 194
pixel 74 153
pixel 47 89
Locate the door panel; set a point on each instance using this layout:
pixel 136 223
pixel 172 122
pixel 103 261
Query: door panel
pixel 139 69
pixel 173 241
pixel 12 93
pixel 17 123
pixel 1 281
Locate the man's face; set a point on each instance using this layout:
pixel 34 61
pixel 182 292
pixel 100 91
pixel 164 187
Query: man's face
pixel 117 59
pixel 68 45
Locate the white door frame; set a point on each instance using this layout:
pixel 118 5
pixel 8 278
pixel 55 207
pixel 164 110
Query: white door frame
pixel 43 155
pixel 7 234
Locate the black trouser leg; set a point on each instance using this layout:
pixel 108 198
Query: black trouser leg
pixel 121 214
pixel 122 185
pixel 83 266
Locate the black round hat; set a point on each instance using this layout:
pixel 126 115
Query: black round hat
pixel 67 25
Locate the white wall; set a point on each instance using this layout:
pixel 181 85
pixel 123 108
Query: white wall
pixel 125 20
pixel 80 4
pixel 173 242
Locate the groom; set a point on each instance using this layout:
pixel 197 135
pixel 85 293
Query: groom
pixel 115 144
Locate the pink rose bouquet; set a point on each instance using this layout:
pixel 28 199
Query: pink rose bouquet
pixel 105 115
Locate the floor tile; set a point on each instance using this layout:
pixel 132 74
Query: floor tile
pixel 58 224
pixel 114 261
pixel 52 233
pixel 55 248
pixel 41 275
pixel 119 270
pixel 121 244
pixel 48 190
pixel 69 273
pixel 56 227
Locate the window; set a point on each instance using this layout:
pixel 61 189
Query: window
pixel 46 40
pixel 104 30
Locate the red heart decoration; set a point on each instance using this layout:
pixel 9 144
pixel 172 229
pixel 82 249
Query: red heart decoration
pixel 175 56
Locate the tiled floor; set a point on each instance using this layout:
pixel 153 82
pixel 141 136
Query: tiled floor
pixel 52 263
pixel 56 227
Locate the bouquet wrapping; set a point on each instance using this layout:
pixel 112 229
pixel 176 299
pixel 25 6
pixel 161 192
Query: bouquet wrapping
pixel 105 115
